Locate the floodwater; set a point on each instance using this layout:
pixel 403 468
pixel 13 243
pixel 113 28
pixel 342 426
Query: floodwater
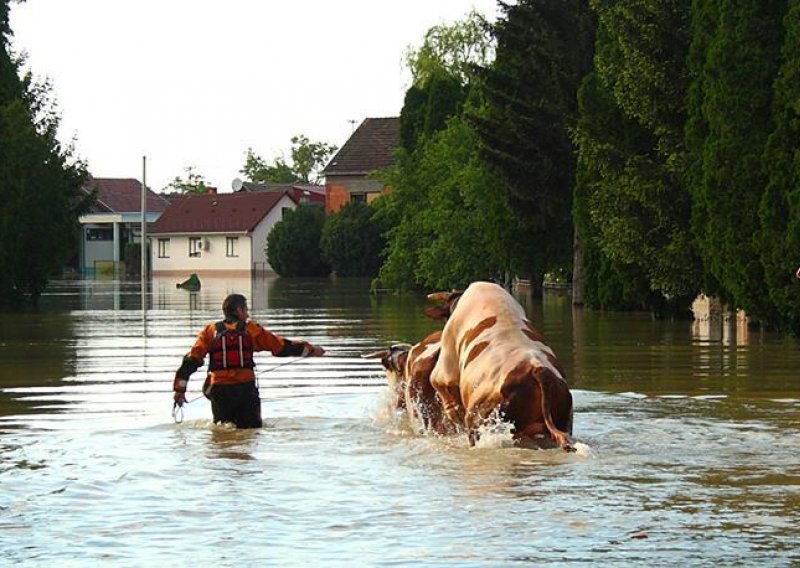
pixel 688 448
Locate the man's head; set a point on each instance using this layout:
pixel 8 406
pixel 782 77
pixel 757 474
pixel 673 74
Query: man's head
pixel 232 304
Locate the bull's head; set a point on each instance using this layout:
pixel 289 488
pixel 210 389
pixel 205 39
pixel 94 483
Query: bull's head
pixel 447 304
pixel 394 360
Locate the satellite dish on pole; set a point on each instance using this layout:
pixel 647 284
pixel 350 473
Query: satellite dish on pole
pixel 236 184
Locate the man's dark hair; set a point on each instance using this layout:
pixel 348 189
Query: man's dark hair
pixel 232 303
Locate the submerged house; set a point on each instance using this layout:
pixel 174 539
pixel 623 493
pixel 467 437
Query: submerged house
pixel 223 233
pixel 115 219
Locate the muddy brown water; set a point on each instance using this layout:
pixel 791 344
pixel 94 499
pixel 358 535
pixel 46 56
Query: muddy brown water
pixel 687 432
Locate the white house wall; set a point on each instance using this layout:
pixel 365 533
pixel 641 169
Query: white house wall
pixel 212 257
pixel 262 230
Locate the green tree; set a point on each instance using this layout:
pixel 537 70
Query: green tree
pixel 544 49
pixel 641 52
pixel 607 211
pixel 40 182
pixel 633 199
pixel 308 159
pixel 193 183
pixel 442 70
pixel 352 241
pixel 780 206
pixel 453 49
pixel 442 223
pixel 293 244
pixel 448 227
pixel 258 170
pixel 412 117
pixel 428 107
pixel 734 64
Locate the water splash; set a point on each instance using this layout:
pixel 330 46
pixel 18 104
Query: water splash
pixel 387 416
pixel 495 433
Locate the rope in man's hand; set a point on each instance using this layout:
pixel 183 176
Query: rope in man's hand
pixel 177 413
pixel 180 398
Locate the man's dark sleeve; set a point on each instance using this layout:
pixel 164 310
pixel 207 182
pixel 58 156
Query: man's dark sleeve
pixel 188 366
pixel 293 349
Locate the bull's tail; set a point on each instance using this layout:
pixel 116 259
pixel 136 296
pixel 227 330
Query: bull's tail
pixel 544 378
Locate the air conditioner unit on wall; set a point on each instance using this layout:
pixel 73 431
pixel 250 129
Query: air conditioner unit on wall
pixel 205 244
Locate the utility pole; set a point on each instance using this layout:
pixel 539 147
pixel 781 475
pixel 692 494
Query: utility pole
pixel 143 247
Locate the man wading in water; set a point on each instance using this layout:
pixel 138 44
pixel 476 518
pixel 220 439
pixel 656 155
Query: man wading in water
pixel 230 344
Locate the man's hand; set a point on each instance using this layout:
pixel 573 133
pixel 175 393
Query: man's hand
pixel 316 351
pixel 180 398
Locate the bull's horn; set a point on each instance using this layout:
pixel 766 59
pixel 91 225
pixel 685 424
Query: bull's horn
pixel 386 352
pixel 439 296
pixel 376 354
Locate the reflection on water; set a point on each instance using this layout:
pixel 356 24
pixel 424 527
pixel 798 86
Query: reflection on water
pixel 165 295
pixel 687 437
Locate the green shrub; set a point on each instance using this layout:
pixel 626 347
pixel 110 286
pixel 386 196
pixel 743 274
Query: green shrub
pixel 352 242
pixel 293 244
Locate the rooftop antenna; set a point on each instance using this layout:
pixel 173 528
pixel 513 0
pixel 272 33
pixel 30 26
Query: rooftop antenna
pixel 352 125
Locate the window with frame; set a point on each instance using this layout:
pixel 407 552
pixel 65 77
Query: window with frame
pixel 358 197
pixel 194 246
pixel 163 248
pixel 232 246
pixel 100 234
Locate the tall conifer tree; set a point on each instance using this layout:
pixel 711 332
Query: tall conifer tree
pixel 635 204
pixel 39 184
pixel 544 50
pixel 780 207
pixel 605 137
pixel 734 63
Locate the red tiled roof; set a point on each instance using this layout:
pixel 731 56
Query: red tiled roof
pixel 217 213
pixel 370 147
pixel 120 195
pixel 313 193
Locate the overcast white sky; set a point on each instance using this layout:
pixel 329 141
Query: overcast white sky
pixel 197 82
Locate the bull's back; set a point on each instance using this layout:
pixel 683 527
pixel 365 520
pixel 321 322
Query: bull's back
pixel 482 310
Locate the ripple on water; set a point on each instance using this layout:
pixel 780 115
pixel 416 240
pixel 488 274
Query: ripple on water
pixel 686 452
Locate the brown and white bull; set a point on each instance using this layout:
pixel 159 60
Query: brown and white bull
pixel 492 359
pixel 408 370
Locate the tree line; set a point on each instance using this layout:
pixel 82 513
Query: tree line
pixel 645 150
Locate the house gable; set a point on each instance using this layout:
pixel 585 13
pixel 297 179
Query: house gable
pixel 123 195
pixel 371 147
